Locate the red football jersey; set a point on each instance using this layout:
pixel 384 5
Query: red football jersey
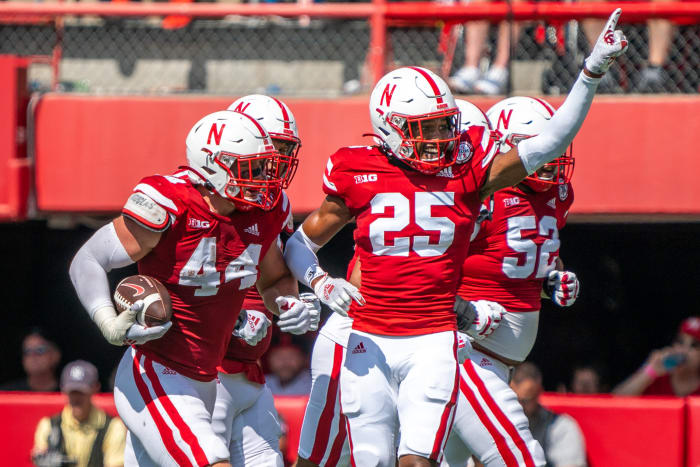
pixel 511 254
pixel 409 234
pixel 241 357
pixel 208 262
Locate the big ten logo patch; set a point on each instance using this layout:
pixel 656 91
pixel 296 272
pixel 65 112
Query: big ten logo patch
pixel 364 178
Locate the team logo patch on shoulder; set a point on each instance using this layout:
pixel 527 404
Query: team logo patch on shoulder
pixel 563 192
pixel 465 152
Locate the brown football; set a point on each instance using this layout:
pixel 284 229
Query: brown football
pixel 157 308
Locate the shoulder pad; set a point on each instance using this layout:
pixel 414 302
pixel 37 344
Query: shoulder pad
pixel 144 210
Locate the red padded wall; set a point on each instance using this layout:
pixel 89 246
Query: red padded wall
pixel 634 154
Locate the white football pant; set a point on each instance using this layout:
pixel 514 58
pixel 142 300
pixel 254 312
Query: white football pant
pixel 246 418
pixel 323 438
pixel 168 415
pixel 490 422
pixel 393 384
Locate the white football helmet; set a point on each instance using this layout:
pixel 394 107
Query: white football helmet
pixel 517 118
pixel 471 115
pixel 231 154
pixel 415 118
pixel 279 121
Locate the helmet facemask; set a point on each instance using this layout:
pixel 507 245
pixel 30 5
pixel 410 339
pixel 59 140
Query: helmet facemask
pixel 288 148
pixel 429 141
pixel 253 180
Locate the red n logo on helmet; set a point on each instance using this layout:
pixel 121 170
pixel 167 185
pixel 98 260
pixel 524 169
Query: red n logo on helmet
pixel 388 92
pixel 241 107
pixel 504 119
pixel 214 130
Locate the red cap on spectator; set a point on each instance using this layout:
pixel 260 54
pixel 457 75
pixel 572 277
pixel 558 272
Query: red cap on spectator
pixel 691 326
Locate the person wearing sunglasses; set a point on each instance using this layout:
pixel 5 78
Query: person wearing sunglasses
pixel 671 371
pixel 40 358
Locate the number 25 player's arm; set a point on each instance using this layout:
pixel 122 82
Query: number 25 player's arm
pixel 530 154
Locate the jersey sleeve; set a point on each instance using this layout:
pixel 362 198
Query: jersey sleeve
pixel 336 178
pixel 288 223
pixel 479 148
pixel 154 202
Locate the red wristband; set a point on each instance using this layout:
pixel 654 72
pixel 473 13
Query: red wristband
pixel 650 372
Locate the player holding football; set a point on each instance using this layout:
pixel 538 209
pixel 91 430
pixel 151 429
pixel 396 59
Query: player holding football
pixel 244 413
pixel 512 257
pixel 205 232
pixel 412 196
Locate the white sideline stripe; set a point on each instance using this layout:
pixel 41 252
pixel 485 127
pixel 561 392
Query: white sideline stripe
pixel 155 194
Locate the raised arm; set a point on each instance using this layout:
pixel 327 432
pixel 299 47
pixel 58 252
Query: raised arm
pixel 530 154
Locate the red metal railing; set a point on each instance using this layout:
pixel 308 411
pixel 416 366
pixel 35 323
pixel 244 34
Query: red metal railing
pixel 377 12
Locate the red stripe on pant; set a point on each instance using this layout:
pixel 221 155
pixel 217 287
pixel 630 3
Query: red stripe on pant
pixel 185 431
pixel 163 429
pixel 445 427
pixel 338 444
pixel 324 423
pixel 500 416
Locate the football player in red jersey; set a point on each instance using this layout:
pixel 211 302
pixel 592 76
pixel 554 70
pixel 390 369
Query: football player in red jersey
pixel 513 257
pixel 415 196
pixel 208 233
pixel 244 413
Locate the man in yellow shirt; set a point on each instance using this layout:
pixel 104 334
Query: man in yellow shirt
pixel 82 435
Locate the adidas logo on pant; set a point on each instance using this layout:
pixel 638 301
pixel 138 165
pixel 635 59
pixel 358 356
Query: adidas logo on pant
pixel 359 348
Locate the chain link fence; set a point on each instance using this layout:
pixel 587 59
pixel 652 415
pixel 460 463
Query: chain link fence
pixel 317 57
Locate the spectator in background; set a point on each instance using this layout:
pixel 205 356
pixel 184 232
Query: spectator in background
pixel 585 379
pixel 671 371
pixel 40 357
pixel 660 35
pixel 558 434
pixel 469 79
pixel 81 435
pixel 289 373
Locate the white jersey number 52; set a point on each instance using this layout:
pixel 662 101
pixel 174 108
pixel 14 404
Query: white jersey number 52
pixel 546 227
pixel 200 270
pixel 422 206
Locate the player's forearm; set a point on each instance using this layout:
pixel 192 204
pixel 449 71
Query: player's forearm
pixel 300 256
pixel 88 270
pixel 560 131
pixel 284 286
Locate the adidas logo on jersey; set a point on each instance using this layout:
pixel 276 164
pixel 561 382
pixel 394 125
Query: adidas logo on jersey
pixel 552 203
pixel 168 371
pixel 359 348
pixel 253 230
pixel 198 224
pixel 364 178
pixel 485 362
pixel 446 172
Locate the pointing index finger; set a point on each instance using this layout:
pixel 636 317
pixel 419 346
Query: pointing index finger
pixel 612 21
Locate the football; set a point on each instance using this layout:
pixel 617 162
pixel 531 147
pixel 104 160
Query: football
pixel 157 308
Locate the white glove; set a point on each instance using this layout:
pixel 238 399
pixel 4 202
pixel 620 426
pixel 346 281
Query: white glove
pixel 562 287
pixel 313 305
pixel 610 45
pixel 294 316
pixel 251 326
pixel 464 347
pixel 337 294
pixel 123 329
pixel 488 317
